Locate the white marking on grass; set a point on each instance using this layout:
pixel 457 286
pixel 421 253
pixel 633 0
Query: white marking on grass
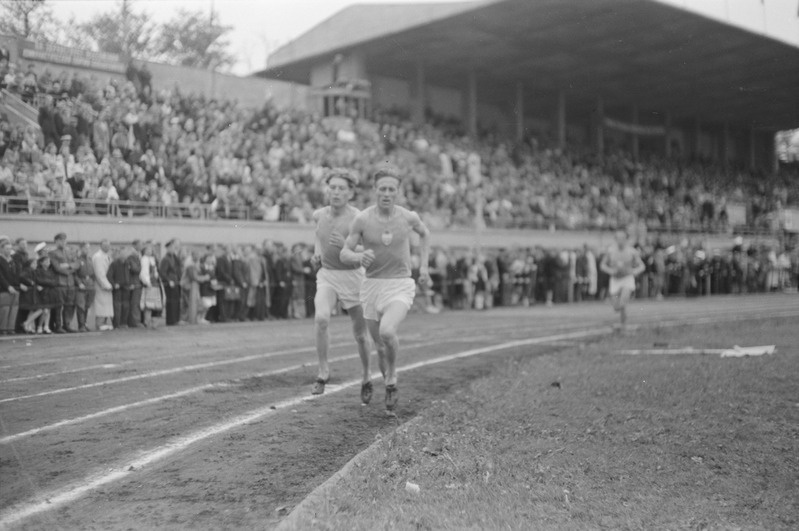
pixel 200 388
pixel 59 497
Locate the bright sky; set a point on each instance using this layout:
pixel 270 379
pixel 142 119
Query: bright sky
pixel 259 26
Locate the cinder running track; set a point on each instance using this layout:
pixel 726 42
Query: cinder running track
pixel 214 427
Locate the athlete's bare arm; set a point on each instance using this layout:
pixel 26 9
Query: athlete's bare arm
pixel 316 260
pixel 421 229
pixel 349 253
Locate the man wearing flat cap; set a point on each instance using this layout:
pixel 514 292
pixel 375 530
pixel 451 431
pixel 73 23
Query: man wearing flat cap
pixel 9 288
pixel 65 271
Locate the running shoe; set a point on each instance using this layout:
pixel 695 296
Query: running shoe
pixel 319 387
pixel 391 397
pixel 366 393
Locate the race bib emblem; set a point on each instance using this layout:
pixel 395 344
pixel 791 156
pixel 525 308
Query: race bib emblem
pixel 387 237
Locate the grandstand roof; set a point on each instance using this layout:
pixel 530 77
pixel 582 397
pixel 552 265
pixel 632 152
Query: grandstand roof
pixel 662 58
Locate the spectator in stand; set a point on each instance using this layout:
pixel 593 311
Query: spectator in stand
pixel 30 85
pixel 193 277
pixel 208 287
pixel 241 278
pixel 10 288
pixel 282 293
pixel 170 270
pixel 120 278
pixel 296 263
pixel 151 285
pixel 22 265
pixel 134 265
pixel 65 264
pixel 84 277
pixel 258 284
pixel 227 295
pixel 48 293
pixel 104 300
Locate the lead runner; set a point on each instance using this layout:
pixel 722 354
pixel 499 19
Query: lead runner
pixel 388 291
pixel 336 280
pixel 623 263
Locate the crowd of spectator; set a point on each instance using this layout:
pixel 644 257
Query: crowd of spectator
pixel 54 287
pixel 109 146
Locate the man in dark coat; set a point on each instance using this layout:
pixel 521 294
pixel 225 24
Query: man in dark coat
pixel 241 278
pixel 170 270
pixel 65 269
pixel 133 262
pixel 21 260
pixel 119 277
pixel 224 275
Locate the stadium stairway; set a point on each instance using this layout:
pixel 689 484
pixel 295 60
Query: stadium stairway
pixel 18 111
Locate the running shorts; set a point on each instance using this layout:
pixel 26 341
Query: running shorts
pixel 346 283
pixel 617 284
pixel 378 293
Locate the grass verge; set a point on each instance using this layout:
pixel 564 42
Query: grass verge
pixel 589 438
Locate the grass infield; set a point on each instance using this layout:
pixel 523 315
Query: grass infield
pixel 587 438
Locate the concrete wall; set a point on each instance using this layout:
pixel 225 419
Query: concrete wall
pixel 249 91
pixel 195 232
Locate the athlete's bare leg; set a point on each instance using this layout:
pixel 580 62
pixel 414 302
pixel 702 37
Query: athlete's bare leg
pixel 323 302
pixel 389 326
pixel 624 297
pixel 374 331
pixel 361 339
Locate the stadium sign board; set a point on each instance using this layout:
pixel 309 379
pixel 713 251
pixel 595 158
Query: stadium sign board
pixel 53 53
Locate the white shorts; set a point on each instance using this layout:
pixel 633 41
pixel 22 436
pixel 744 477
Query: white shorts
pixel 618 284
pixel 346 283
pixel 378 293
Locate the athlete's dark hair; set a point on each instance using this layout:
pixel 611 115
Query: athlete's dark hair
pixel 342 173
pixel 386 170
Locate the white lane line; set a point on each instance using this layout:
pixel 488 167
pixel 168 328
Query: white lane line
pixel 198 389
pixel 58 497
pixel 206 349
pixel 70 371
pixel 173 370
pixel 163 372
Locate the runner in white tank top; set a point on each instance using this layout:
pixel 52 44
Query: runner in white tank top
pixel 623 263
pixel 337 281
pixel 387 293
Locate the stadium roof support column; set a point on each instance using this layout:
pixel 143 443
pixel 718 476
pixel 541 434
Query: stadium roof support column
pixel 600 127
pixel 752 151
pixel 724 145
pixel 667 135
pixel 560 120
pixel 519 112
pixel 420 100
pixel 697 137
pixel 775 159
pixel 634 136
pixel 471 103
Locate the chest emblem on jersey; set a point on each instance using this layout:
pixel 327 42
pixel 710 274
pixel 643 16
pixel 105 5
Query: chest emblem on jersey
pixel 387 237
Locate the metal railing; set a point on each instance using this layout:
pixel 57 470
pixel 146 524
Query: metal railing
pixel 138 209
pixel 118 208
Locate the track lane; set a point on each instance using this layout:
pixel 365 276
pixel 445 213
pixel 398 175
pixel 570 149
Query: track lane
pixel 489 326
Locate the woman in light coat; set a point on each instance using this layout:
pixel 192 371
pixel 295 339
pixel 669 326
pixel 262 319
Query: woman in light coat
pixel 151 293
pixel 104 294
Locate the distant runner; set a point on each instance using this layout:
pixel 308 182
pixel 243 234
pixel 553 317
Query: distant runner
pixel 337 281
pixel 388 291
pixel 623 263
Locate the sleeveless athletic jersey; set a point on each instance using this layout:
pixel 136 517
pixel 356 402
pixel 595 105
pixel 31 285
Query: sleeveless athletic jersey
pixel 390 241
pixel 627 258
pixel 331 255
